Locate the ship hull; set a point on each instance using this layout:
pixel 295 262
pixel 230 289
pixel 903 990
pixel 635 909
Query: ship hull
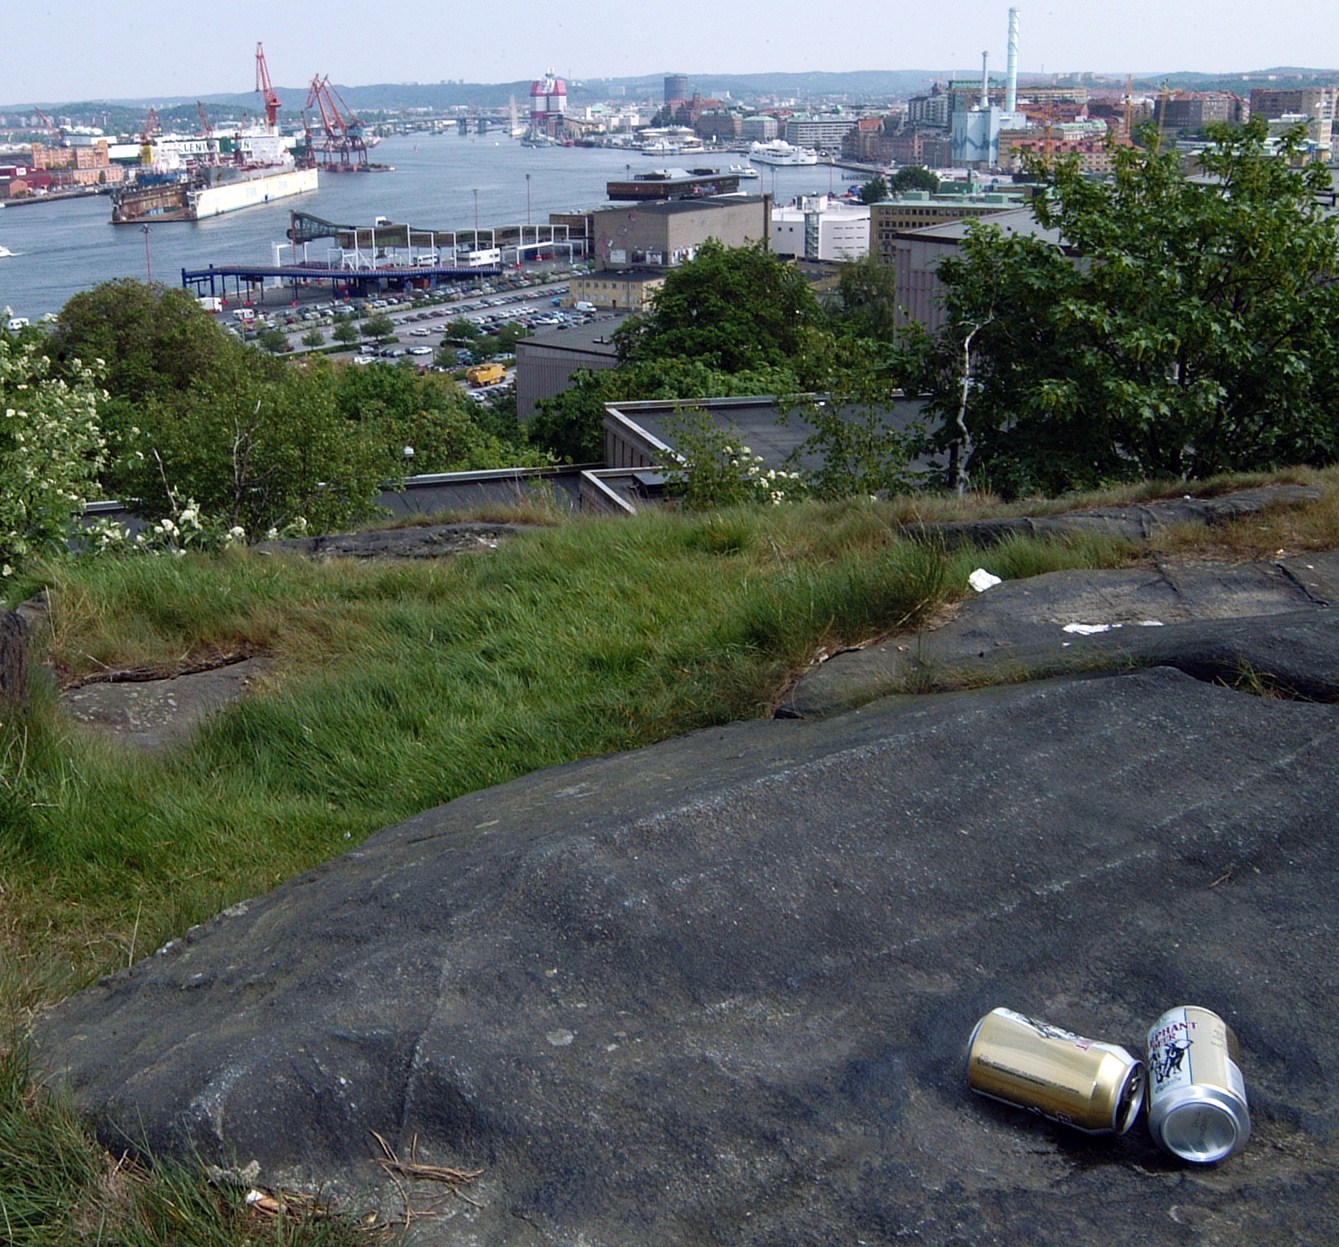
pixel 187 202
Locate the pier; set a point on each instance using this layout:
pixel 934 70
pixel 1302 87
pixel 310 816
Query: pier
pixel 387 255
pixel 243 279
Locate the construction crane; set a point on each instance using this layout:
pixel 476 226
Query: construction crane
pixel 206 126
pixel 345 145
pixel 266 90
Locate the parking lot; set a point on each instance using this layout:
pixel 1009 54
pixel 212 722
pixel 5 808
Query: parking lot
pixel 534 303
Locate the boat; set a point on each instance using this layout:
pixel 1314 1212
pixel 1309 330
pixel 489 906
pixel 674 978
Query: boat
pixel 207 191
pixel 744 171
pixel 4 251
pixel 779 152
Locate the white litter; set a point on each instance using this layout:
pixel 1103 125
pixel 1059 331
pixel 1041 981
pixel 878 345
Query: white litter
pixel 1089 629
pixel 981 580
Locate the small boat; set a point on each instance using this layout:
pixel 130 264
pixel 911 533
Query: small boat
pixel 4 251
pixel 744 171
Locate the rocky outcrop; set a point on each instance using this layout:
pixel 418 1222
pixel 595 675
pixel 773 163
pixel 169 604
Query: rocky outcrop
pixel 719 990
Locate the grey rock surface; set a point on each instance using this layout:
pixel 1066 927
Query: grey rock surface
pixel 1127 523
pixel 153 714
pixel 423 541
pixel 1266 622
pixel 719 990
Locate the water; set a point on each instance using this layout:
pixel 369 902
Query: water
pixel 64 247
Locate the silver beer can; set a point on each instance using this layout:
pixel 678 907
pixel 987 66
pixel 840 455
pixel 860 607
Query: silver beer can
pixel 1197 1097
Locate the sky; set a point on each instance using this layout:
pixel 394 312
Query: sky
pixel 74 50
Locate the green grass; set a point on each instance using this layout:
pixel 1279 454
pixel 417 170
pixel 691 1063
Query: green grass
pixel 396 687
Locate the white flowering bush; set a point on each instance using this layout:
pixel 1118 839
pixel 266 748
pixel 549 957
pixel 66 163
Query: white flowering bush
pixel 51 449
pixel 185 528
pixel 716 469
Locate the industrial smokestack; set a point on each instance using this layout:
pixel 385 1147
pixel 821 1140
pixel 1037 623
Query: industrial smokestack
pixel 985 80
pixel 1011 82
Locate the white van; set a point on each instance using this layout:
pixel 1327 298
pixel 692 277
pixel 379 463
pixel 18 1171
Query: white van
pixel 582 306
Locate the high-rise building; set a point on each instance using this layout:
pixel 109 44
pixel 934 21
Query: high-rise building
pixel 676 88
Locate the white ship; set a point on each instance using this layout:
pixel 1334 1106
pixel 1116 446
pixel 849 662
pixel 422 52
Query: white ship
pixel 779 152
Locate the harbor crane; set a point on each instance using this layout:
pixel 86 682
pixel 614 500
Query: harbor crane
pixel 266 90
pixel 345 145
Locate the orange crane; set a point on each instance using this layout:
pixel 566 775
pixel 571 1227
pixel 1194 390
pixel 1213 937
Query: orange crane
pixel 266 90
pixel 206 126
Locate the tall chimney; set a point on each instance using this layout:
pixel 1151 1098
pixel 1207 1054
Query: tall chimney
pixel 985 80
pixel 1011 80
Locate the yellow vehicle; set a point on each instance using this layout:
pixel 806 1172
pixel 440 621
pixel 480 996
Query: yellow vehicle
pixel 485 374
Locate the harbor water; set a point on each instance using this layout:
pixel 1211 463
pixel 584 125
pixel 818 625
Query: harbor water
pixel 63 247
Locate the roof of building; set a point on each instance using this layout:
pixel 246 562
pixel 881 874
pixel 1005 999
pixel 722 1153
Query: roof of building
pixel 762 422
pixel 1015 221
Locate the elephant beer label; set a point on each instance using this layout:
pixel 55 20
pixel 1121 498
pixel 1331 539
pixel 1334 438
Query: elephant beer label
pixel 1197 1097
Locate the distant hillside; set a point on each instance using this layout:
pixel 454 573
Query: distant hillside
pixel 863 86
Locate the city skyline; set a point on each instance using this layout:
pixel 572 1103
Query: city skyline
pixel 74 50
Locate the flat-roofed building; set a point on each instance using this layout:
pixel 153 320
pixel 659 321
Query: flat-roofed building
pixel 668 234
pixel 820 227
pixel 919 209
pixel 620 289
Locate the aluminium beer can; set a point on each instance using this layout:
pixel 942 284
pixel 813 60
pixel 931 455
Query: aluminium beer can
pixel 1094 1087
pixel 1197 1097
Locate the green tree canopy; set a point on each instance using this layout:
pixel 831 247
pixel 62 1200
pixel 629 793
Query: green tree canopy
pixel 731 309
pixel 152 340
pixel 913 178
pixel 873 191
pixel 1190 331
pixel 257 443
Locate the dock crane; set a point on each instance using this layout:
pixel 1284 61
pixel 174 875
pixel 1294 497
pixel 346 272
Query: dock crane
pixel 266 90
pixel 345 146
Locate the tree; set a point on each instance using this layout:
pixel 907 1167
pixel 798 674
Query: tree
pixel 913 178
pixel 378 326
pixel 313 338
pixel 273 340
pixel 1194 335
pixel 874 191
pixel 346 333
pixel 731 309
pixel 51 447
pixel 866 302
pixel 153 340
pixel 258 444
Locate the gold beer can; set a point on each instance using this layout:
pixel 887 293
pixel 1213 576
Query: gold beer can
pixel 1197 1097
pixel 1094 1087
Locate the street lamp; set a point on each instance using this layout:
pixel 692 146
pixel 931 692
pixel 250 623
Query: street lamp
pixel 476 220
pixel 148 256
pixel 527 199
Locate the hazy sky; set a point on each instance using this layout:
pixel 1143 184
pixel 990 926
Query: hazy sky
pixel 92 49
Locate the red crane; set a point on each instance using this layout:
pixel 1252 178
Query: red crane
pixel 266 90
pixel 344 146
